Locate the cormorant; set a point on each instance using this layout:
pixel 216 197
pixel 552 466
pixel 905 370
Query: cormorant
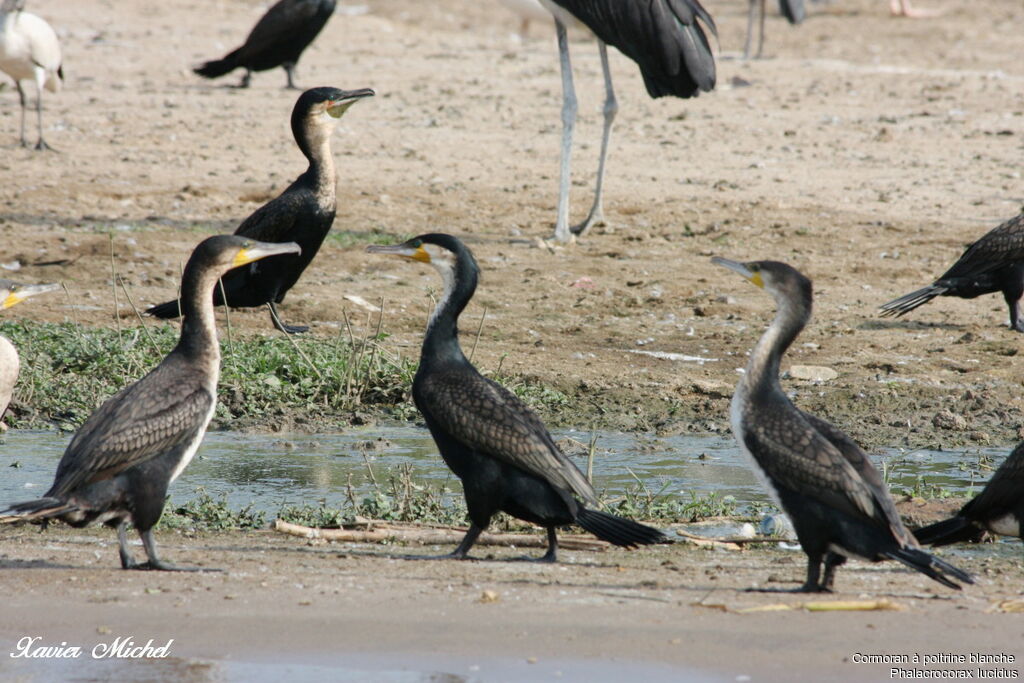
pixel 820 477
pixel 663 37
pixel 12 293
pixel 118 465
pixel 303 213
pixel 29 50
pixel 278 39
pixel 995 263
pixel 999 508
pixel 793 10
pixel 493 442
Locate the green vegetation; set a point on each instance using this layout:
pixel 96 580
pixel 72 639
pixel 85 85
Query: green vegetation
pixel 205 513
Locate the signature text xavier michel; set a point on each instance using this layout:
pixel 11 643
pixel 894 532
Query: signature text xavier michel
pixel 122 647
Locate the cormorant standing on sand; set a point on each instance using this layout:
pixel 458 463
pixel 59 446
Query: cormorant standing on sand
pixel 824 482
pixel 120 462
pixel 995 263
pixel 493 442
pixel 999 508
pixel 303 213
pixel 12 293
pixel 278 39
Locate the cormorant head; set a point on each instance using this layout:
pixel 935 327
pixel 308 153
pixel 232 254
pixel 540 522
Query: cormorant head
pixel 784 282
pixel 12 293
pixel 324 105
pixel 449 256
pixel 221 253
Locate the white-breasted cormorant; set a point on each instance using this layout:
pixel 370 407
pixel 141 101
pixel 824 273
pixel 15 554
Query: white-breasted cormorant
pixel 821 478
pixel 793 10
pixel 12 293
pixel 490 439
pixel 303 213
pixel 120 462
pixel 995 263
pixel 278 39
pixel 663 37
pixel 29 51
pixel 999 508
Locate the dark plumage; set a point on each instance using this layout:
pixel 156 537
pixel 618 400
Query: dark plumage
pixel 120 462
pixel 995 263
pixel 278 39
pixel 493 442
pixel 303 213
pixel 664 38
pixel 999 508
pixel 835 498
pixel 793 10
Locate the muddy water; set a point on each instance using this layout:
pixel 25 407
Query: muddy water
pixel 269 471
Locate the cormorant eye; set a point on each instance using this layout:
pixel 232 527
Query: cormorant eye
pixel 416 243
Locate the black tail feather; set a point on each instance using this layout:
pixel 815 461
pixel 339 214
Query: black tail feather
pixel 166 310
pixel 793 10
pixel 953 530
pixel 909 302
pixel 42 508
pixel 618 531
pixel 931 566
pixel 217 67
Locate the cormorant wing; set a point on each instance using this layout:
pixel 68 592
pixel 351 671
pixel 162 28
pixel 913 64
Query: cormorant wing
pixel 162 410
pixel 856 456
pixel 488 418
pixel 1000 247
pixel 275 220
pixel 1004 490
pixel 796 456
pixel 282 24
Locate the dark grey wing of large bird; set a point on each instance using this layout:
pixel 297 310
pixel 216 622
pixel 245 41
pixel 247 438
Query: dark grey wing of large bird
pixel 275 220
pixel 1000 247
pixel 135 425
pixel 664 37
pixel 795 456
pixel 856 456
pixel 1004 490
pixel 489 419
pixel 282 24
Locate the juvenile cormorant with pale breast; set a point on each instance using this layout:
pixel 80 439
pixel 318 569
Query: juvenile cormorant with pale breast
pixel 998 509
pixel 995 263
pixel 278 39
pixel 119 464
pixel 821 478
pixel 12 293
pixel 29 51
pixel 494 443
pixel 303 213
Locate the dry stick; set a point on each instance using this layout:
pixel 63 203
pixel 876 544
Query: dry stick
pixel 369 468
pixel 295 345
pixel 74 317
pixel 145 329
pixel 351 356
pixel 438 536
pixel 479 329
pixel 113 285
pixel 373 351
pixel 590 457
pixel 227 314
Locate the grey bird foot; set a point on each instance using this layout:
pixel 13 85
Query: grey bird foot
pixel 293 329
pixel 160 565
pixel 41 146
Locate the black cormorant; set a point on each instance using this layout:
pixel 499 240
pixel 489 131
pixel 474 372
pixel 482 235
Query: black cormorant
pixel 995 263
pixel 29 51
pixel 278 39
pixel 120 462
pixel 303 213
pixel 663 37
pixel 493 442
pixel 12 293
pixel 793 10
pixel 824 482
pixel 999 508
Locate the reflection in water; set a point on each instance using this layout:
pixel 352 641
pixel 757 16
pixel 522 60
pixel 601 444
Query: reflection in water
pixel 274 470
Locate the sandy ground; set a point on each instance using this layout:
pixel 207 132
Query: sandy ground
pixel 867 151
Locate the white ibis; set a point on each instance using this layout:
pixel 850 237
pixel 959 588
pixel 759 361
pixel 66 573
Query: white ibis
pixel 29 50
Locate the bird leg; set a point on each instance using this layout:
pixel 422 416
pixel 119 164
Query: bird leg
pixel 127 562
pixel 751 15
pixel 41 143
pixel 902 8
pixel 832 560
pixel 562 233
pixel 552 554
pixel 611 108
pixel 21 98
pixel 155 562
pixel 812 584
pixel 760 35
pixel 287 329
pixel 246 79
pixel 289 68
pixel 461 552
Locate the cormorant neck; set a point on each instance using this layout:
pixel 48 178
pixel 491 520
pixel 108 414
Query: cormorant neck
pixel 198 328
pixel 314 139
pixel 441 342
pixel 763 366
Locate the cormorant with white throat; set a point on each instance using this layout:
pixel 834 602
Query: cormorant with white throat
pixel 303 213
pixel 494 443
pixel 835 498
pixel 119 464
pixel 11 294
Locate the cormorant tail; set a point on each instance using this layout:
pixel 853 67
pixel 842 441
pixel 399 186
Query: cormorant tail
pixel 793 10
pixel 618 531
pixel 42 508
pixel 218 67
pixel 909 302
pixel 953 530
pixel 930 566
pixel 166 310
